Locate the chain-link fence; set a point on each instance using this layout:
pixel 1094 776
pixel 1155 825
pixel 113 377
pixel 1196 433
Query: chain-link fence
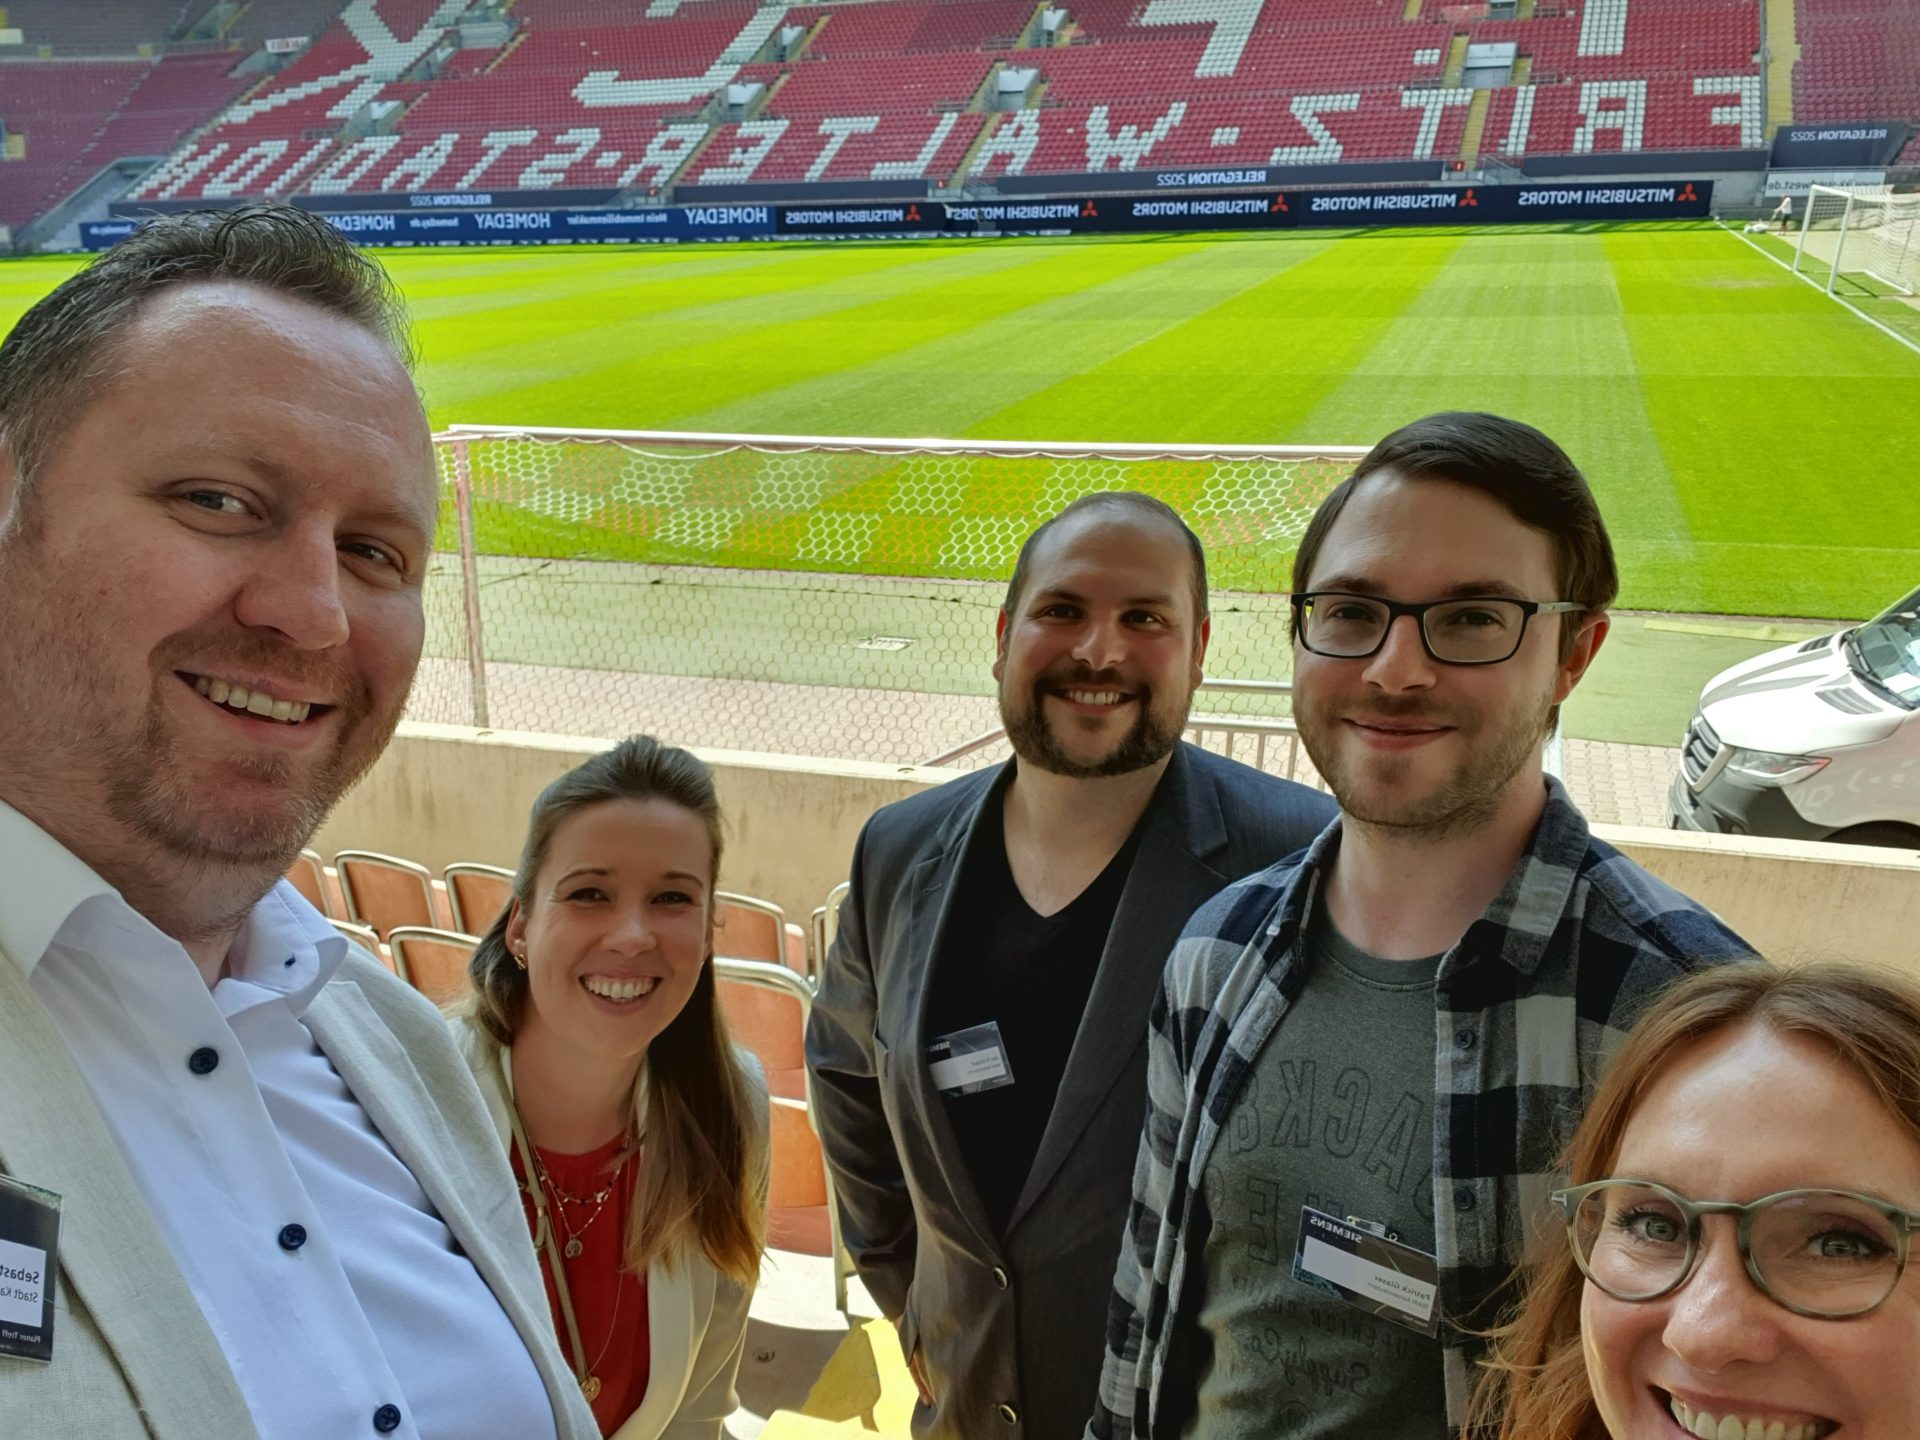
pixel 806 596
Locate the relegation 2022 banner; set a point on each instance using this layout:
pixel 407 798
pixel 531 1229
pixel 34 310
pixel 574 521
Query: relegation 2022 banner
pixel 1093 215
pixel 1854 145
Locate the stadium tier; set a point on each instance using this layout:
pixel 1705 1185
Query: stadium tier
pixel 76 117
pixel 570 94
pixel 90 27
pixel 401 96
pixel 1859 60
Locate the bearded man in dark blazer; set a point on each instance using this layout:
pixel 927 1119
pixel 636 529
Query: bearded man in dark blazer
pixel 978 1043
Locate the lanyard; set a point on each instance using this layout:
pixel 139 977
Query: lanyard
pixel 543 1237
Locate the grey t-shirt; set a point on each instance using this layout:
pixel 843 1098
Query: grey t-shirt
pixel 1336 1113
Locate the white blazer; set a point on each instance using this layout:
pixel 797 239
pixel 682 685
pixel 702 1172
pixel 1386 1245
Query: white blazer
pixel 696 1317
pixel 134 1357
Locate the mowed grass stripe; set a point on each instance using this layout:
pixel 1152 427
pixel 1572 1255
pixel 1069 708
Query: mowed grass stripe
pixel 977 286
pixel 508 301
pixel 1529 325
pixel 1250 370
pixel 1787 420
pixel 1120 296
pixel 714 347
pixel 451 274
pixel 606 315
pixel 475 358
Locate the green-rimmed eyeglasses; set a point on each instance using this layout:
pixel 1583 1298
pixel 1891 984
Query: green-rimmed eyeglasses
pixel 1477 630
pixel 1830 1254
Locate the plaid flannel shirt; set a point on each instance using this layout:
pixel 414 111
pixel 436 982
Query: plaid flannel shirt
pixel 1529 1005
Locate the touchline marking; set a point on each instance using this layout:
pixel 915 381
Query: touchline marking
pixel 1886 330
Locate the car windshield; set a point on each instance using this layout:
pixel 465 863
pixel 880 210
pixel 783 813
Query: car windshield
pixel 1887 650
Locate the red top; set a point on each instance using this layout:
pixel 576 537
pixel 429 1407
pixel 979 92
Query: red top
pixel 609 1301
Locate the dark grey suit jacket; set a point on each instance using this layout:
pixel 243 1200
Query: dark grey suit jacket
pixel 1009 1330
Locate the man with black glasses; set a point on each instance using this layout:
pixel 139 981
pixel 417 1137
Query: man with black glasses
pixel 1365 1058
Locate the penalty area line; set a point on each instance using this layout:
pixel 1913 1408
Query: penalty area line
pixel 1883 328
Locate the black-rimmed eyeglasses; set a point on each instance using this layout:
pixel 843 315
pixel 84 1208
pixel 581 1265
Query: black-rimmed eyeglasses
pixel 1479 630
pixel 1829 1254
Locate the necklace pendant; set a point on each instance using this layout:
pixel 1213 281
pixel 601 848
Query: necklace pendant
pixel 572 1252
pixel 590 1387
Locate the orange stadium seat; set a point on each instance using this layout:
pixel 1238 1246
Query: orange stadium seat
pixel 384 891
pixel 476 894
pixel 433 961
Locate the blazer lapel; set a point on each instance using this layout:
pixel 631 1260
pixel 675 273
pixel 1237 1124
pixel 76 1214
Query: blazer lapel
pixel 670 1334
pixel 1168 882
pixel 375 1065
pixel 931 890
pixel 112 1255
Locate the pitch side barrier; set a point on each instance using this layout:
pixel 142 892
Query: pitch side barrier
pixel 1082 215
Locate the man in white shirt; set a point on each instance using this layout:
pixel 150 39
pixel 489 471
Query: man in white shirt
pixel 282 1212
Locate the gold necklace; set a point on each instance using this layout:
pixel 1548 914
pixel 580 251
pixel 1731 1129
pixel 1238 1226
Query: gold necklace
pixel 575 1245
pixel 543 1239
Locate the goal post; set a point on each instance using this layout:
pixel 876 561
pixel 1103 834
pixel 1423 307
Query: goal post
pixel 828 593
pixel 1866 233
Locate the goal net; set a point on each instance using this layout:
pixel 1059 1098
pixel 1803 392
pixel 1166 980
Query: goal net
pixel 1866 234
pixel 829 597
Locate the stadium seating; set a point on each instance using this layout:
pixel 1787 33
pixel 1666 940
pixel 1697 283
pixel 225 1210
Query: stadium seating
pixel 718 92
pixel 476 894
pixel 1859 60
pixel 58 107
pixel 900 89
pixel 68 28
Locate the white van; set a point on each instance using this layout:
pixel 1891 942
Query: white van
pixel 1817 741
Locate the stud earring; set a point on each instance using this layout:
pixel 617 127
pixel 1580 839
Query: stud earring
pixel 520 956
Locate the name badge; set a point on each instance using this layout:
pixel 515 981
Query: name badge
pixel 29 1255
pixel 969 1061
pixel 1362 1266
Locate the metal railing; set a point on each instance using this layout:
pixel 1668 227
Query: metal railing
pixel 1223 734
pixel 1229 730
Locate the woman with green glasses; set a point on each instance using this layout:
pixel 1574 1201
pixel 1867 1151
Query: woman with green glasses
pixel 1732 1261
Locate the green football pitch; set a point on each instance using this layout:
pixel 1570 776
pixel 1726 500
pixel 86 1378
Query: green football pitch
pixel 1752 442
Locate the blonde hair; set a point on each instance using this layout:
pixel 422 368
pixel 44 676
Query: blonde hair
pixel 700 1186
pixel 1534 1382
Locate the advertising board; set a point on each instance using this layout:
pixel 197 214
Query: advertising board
pixel 1079 215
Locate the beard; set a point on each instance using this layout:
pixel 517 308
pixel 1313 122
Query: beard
pixel 1150 739
pixel 153 791
pixel 100 749
pixel 1378 790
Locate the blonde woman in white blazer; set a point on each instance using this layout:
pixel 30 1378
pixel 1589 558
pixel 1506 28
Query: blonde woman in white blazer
pixel 636 1131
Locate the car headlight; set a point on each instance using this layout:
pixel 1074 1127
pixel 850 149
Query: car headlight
pixel 1765 767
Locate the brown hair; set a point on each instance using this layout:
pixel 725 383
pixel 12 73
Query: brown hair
pixel 1134 504
pixel 57 355
pixel 700 1187
pixel 1534 1384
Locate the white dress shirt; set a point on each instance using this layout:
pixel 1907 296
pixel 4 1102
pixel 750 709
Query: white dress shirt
pixel 338 1295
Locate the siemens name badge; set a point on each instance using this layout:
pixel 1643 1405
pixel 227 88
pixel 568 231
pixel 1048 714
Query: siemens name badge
pixel 1368 1270
pixel 29 1250
pixel 969 1061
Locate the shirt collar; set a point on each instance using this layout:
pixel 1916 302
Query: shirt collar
pixel 285 950
pixel 42 883
pixel 285 947
pixel 1524 916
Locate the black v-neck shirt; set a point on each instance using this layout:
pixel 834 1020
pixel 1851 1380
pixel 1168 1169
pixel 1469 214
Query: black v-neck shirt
pixel 1030 974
